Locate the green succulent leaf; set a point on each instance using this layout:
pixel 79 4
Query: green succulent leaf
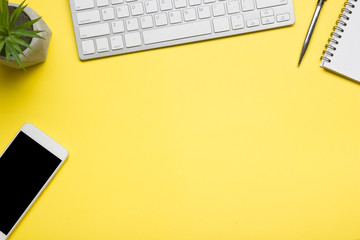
pixel 16 14
pixel 3 31
pixel 25 33
pixel 7 51
pixel 28 24
pixel 15 54
pixel 2 44
pixel 15 45
pixel 4 20
pixel 22 42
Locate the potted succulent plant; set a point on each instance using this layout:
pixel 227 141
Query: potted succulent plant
pixel 24 36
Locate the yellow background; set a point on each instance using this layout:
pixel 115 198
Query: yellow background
pixel 224 139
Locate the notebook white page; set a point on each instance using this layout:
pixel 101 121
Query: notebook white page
pixel 345 59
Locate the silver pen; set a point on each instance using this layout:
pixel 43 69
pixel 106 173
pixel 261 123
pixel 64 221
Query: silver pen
pixel 319 6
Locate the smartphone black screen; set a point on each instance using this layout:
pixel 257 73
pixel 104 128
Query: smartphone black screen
pixel 24 169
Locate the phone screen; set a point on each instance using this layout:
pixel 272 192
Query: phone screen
pixel 25 167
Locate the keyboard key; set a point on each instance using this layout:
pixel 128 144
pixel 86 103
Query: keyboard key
pixel 88 17
pixel 270 3
pixel 165 5
pixel 221 24
pixel 118 26
pixel 160 19
pixel 267 13
pixel 151 6
pixel 102 45
pixel 175 17
pixel 189 14
pixel 268 20
pixel 253 23
pixel 84 4
pixel 133 39
pixel 283 17
pixel 177 32
pixel 180 3
pixel 237 22
pixel 204 12
pixel 218 9
pixel 94 30
pixel 137 9
pixel 108 13
pixel 117 1
pixel 116 42
pixel 248 5
pixel 194 2
pixel 132 24
pixel 233 7
pixel 88 47
pixel 122 11
pixel 146 22
pixel 101 3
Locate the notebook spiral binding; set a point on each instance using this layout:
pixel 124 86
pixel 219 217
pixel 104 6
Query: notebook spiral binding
pixel 341 24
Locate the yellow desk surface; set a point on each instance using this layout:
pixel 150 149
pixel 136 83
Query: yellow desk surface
pixel 223 139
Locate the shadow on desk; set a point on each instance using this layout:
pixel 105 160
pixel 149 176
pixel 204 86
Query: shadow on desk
pixel 10 77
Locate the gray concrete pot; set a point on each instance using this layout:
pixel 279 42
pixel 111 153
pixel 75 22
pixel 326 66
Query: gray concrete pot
pixel 40 46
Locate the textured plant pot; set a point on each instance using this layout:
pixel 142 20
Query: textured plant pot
pixel 40 46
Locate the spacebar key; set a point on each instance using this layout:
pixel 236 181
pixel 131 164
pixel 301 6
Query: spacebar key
pixel 177 32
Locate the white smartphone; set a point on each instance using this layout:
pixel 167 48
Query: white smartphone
pixel 27 165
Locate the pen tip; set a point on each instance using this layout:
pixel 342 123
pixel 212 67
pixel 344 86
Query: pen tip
pixel 301 57
pixel 303 51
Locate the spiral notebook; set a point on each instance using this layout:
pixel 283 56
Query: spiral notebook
pixel 342 54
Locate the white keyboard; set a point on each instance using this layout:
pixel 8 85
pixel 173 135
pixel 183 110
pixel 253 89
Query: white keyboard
pixel 112 27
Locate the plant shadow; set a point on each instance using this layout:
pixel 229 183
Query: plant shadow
pixel 10 77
